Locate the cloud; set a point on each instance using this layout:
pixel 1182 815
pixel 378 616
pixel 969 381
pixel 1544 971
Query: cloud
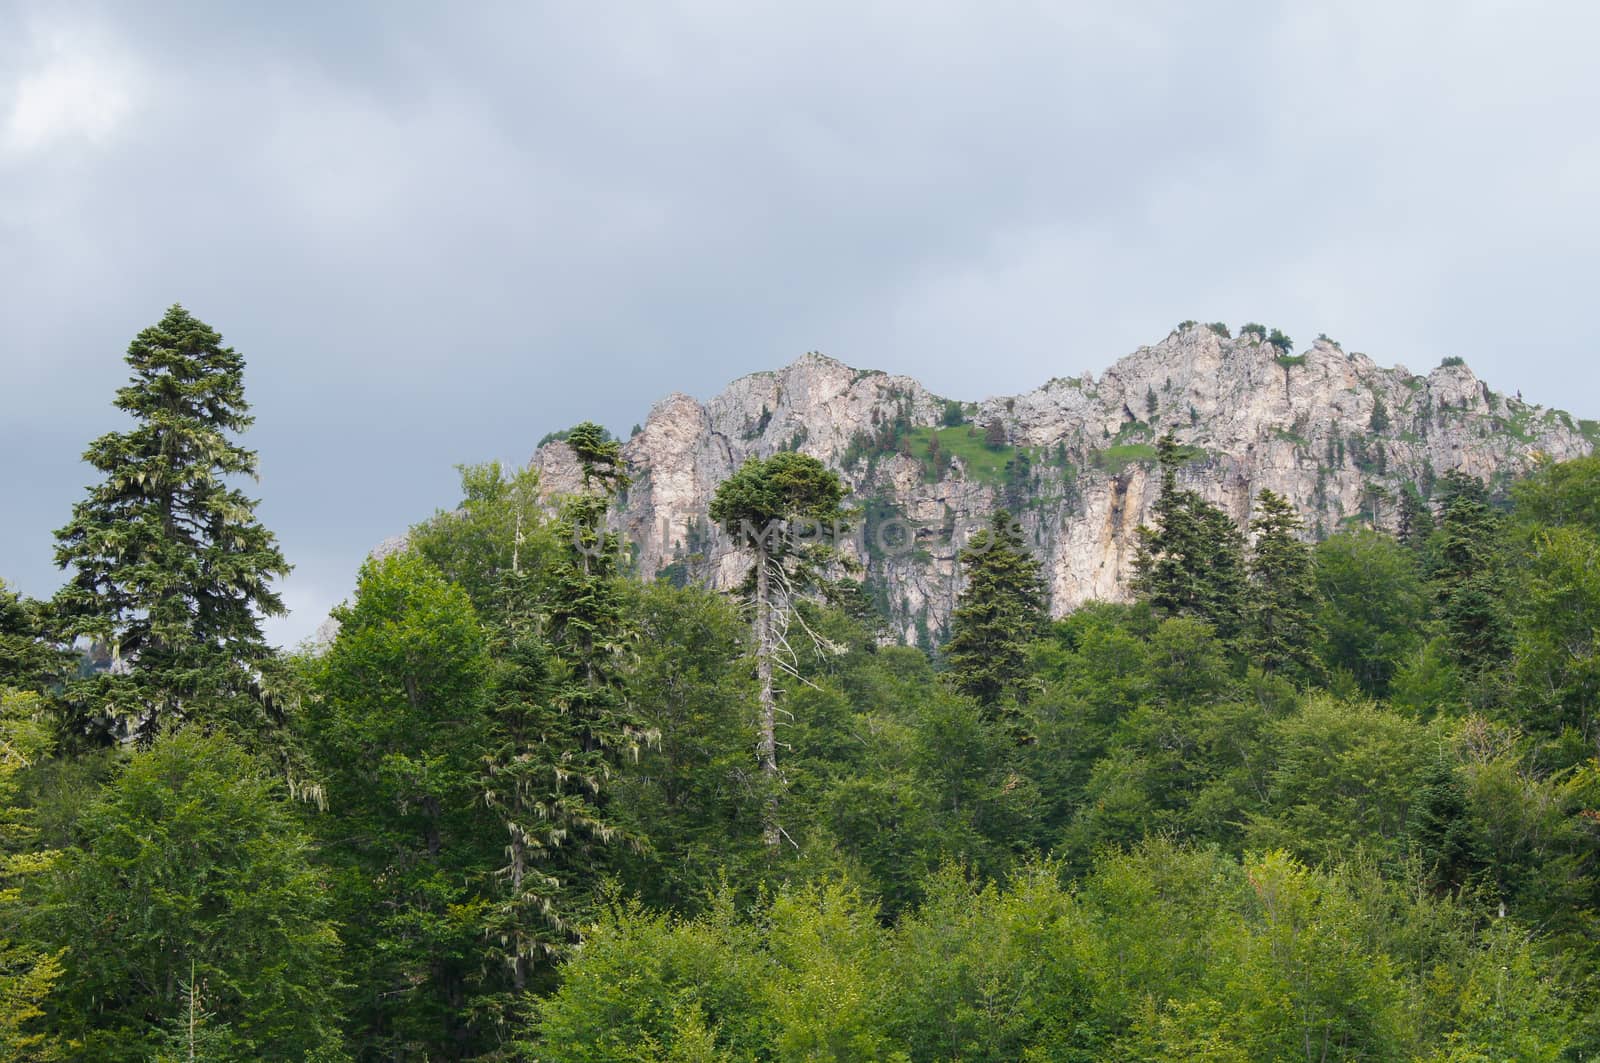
pixel 70 89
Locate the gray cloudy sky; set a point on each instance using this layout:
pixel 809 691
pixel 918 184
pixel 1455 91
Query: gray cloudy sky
pixel 438 231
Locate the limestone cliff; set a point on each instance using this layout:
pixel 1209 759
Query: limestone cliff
pixel 1334 432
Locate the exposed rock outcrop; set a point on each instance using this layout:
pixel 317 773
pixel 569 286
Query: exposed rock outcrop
pixel 1338 435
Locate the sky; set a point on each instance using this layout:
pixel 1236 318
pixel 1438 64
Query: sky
pixel 436 232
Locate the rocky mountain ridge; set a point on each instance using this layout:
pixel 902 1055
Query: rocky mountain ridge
pixel 1335 433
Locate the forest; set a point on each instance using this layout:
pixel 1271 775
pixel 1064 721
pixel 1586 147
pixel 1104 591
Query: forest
pixel 1298 800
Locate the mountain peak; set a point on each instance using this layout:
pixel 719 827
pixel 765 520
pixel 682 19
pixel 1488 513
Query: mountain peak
pixel 1330 430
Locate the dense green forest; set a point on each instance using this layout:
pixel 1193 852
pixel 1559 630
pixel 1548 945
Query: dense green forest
pixel 1296 802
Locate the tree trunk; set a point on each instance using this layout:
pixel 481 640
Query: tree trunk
pixel 767 742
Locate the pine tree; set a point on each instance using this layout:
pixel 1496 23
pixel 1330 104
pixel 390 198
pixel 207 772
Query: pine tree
pixel 1283 632
pixel 170 566
pixel 1191 563
pixel 1000 611
pixel 764 507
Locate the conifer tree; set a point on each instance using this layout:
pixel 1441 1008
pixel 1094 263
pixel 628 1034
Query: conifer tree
pixel 765 507
pixel 1415 521
pixel 171 568
pixel 1000 611
pixel 1283 632
pixel 28 659
pixel 561 720
pixel 1468 576
pixel 1191 563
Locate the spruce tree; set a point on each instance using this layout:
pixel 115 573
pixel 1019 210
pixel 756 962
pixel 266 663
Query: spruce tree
pixel 1191 563
pixel 171 568
pixel 1000 611
pixel 1282 633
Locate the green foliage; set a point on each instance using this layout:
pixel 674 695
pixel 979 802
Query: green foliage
pixel 1451 362
pixel 1468 579
pixel 1415 523
pixel 1281 341
pixel 1117 457
pixel 400 725
pixel 1558 630
pixel 498 529
pixel 1379 421
pixel 1342 781
pixel 191 871
pixel 1561 494
pixel 1374 605
pixel 980 460
pixel 765 496
pixel 1300 808
pixel 29 969
pixel 693 688
pixel 1220 328
pixel 998 613
pixel 954 415
pixel 28 658
pixel 564 434
pixel 1255 330
pixel 1282 632
pixel 767 507
pixel 1163 953
pixel 170 566
pixel 1191 563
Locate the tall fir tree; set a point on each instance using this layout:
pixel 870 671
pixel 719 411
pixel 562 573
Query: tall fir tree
pixel 1191 563
pixel 770 508
pixel 999 612
pixel 171 568
pixel 1282 633
pixel 561 722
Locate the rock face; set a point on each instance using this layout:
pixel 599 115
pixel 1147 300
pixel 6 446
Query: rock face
pixel 1332 431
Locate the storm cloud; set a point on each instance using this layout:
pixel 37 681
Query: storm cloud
pixel 438 231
